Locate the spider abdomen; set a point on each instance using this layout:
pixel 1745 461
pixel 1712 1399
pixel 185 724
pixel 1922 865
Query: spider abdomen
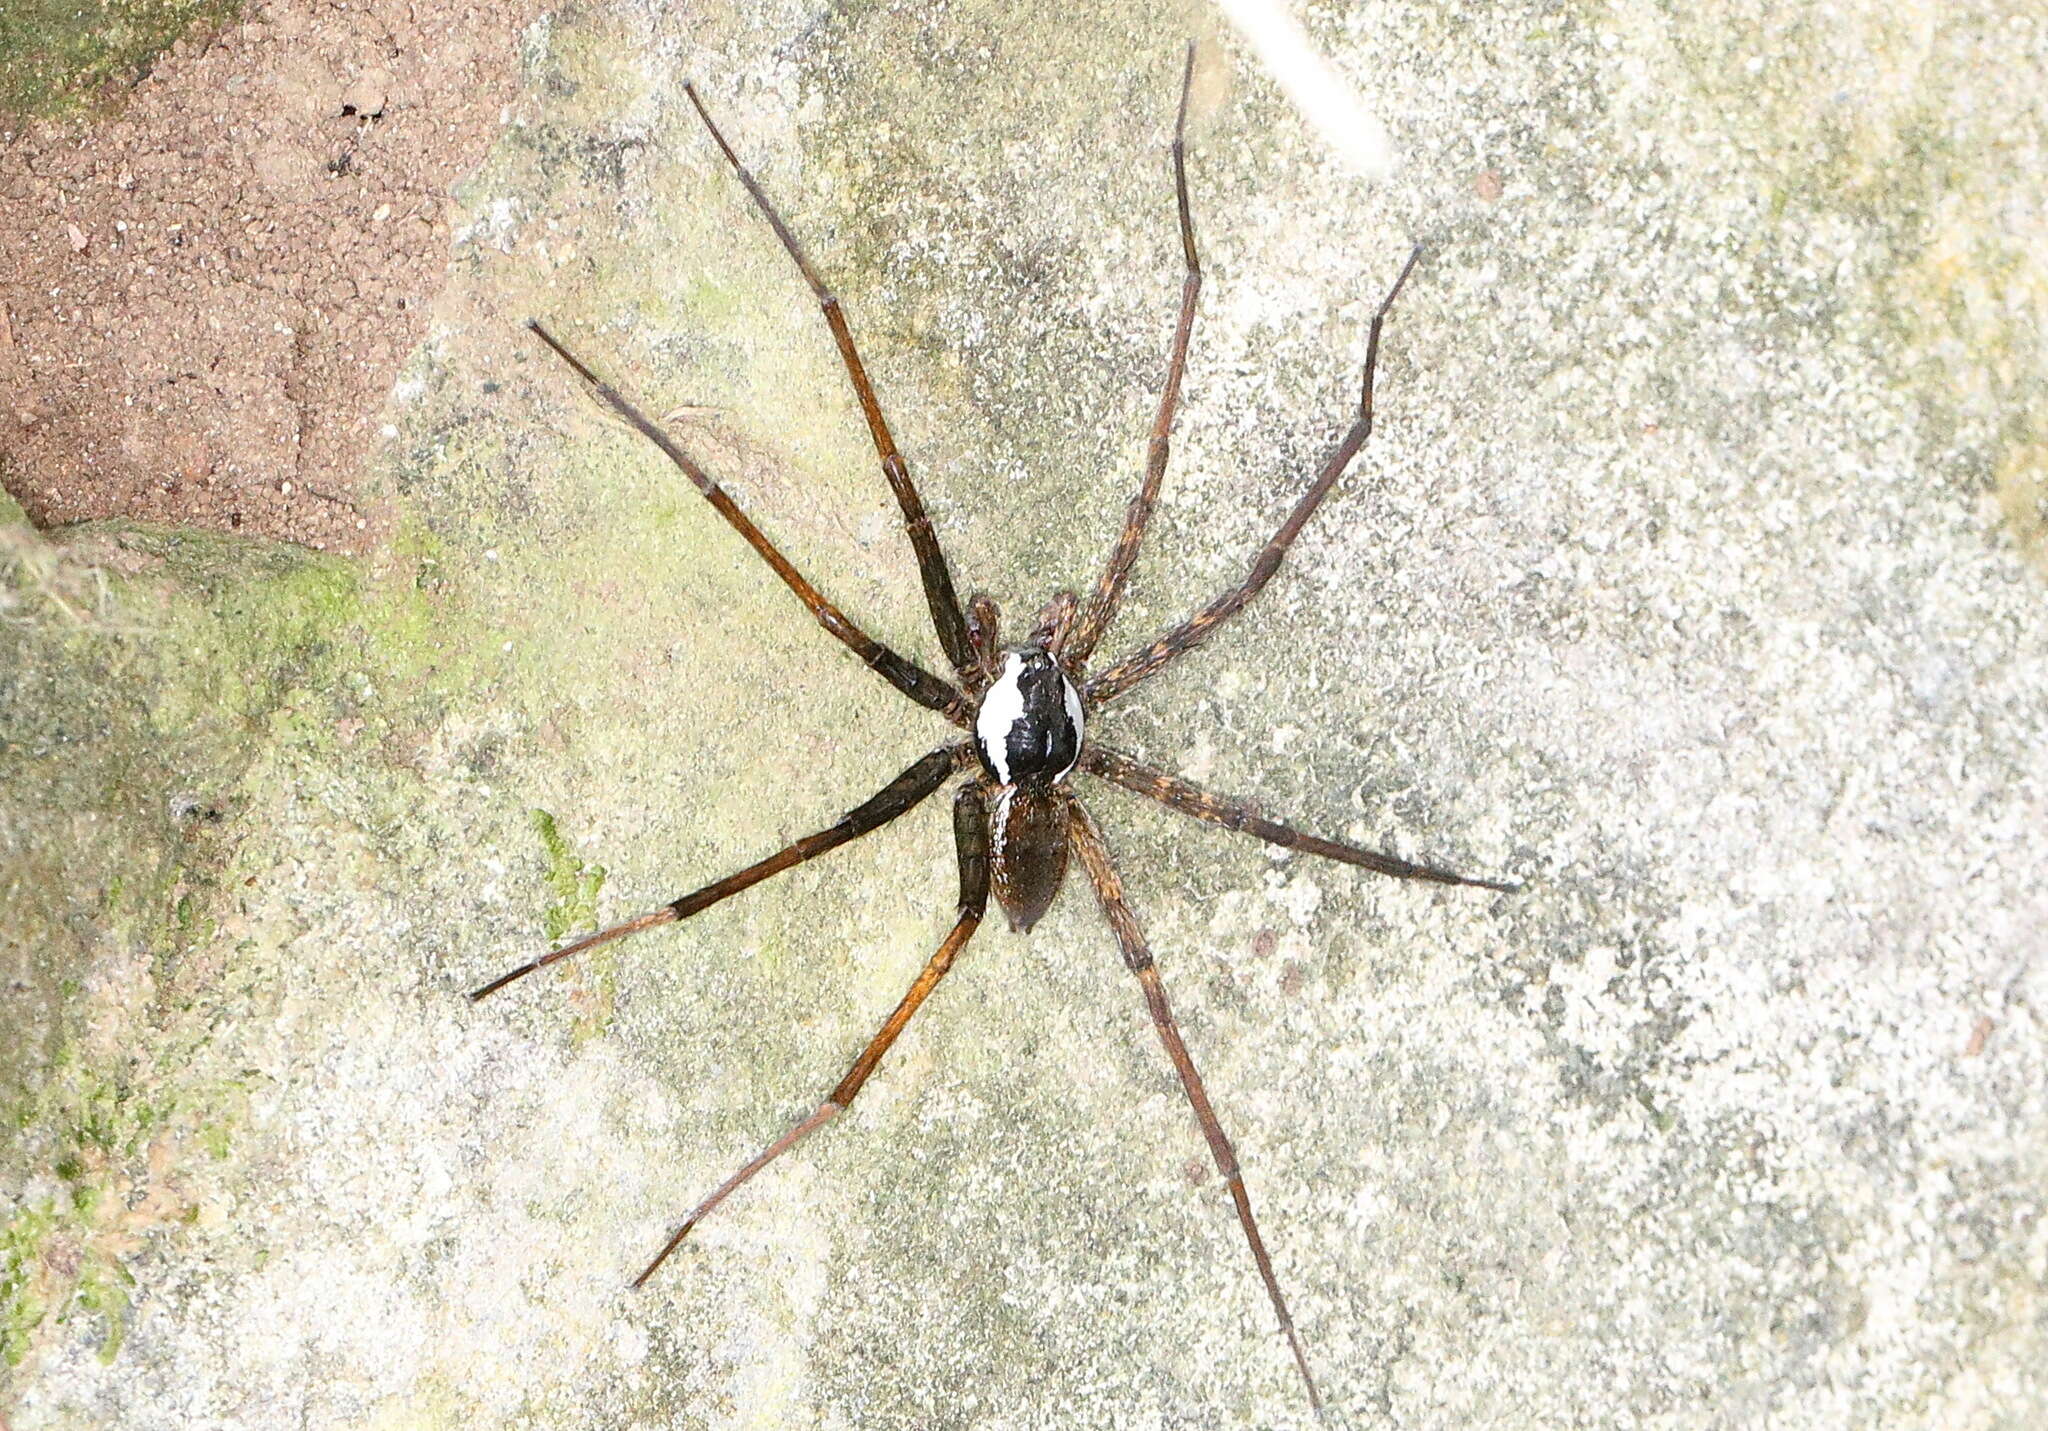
pixel 1028 849
pixel 1029 724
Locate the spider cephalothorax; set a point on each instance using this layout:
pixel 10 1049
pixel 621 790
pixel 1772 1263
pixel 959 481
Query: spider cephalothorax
pixel 1026 709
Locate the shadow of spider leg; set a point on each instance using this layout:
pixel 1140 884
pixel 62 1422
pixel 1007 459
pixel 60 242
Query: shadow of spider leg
pixel 970 838
pixel 1109 892
pixel 1176 793
pixel 903 793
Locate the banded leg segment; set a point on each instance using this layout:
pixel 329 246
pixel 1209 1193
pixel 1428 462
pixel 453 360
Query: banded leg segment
pixel 906 676
pixel 1109 892
pixel 1176 793
pixel 1101 606
pixel 902 794
pixel 1147 660
pixel 970 838
pixel 939 595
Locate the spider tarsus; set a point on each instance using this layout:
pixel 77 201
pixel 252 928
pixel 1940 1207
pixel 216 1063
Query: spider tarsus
pixel 1308 1381
pixel 478 995
pixel 1414 257
pixel 662 1256
pixel 662 915
pixel 582 371
pixel 1424 872
pixel 697 100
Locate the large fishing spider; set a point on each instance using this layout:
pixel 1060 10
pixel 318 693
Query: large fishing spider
pixel 1025 708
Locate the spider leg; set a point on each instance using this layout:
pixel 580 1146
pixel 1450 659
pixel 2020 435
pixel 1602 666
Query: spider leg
pixel 970 838
pixel 1101 605
pixel 1147 660
pixel 1109 892
pixel 931 561
pixel 906 676
pixel 898 796
pixel 1172 791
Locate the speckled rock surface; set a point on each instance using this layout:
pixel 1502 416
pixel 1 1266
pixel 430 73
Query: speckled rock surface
pixel 1695 578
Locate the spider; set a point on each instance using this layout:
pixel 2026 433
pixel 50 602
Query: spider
pixel 1028 711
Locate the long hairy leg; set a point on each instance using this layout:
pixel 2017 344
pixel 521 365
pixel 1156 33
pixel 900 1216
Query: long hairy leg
pixel 903 793
pixel 1190 799
pixel 970 837
pixel 905 675
pixel 931 561
pixel 1109 892
pixel 1101 605
pixel 1147 660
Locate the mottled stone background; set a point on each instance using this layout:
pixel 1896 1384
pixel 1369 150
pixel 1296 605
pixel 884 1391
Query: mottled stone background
pixel 1695 578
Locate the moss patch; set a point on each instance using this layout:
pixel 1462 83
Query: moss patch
pixel 56 55
pixel 575 885
pixel 150 684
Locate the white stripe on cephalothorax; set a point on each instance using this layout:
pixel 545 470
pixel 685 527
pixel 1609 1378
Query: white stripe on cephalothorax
pixel 1073 714
pixel 1001 709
